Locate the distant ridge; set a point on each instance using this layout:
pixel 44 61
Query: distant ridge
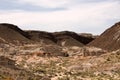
pixel 10 33
pixel 68 34
pixel 108 40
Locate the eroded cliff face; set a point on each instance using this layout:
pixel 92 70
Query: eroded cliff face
pixel 108 40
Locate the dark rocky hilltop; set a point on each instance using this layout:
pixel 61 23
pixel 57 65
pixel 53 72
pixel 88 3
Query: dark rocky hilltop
pixel 13 34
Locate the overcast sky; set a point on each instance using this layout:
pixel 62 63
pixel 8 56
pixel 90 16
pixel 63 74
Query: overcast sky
pixel 92 16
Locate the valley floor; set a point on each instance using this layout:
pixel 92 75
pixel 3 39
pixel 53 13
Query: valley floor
pixel 75 67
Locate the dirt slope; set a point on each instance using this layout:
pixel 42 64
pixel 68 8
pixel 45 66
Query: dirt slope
pixel 109 40
pixel 68 41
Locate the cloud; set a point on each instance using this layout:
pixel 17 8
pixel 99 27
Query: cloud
pixel 46 3
pixel 91 16
pixel 21 5
pixel 60 3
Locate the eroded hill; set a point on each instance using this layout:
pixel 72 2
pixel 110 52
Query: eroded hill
pixel 108 40
pixel 10 33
